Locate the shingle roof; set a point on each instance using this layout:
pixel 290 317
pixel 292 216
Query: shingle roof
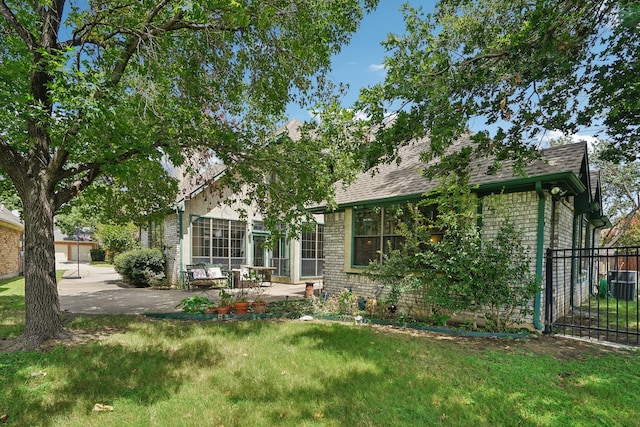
pixel 8 218
pixel 405 179
pixel 212 171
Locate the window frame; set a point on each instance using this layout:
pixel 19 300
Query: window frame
pixel 384 234
pixel 229 247
pixel 314 247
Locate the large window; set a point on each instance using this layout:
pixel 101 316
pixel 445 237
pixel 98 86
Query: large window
pixel 312 252
pixel 218 241
pixel 280 256
pixel 376 230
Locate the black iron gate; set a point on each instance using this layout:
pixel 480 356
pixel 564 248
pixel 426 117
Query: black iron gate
pixel 593 293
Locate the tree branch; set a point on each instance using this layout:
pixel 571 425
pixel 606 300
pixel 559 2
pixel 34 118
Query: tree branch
pixel 65 195
pixel 91 171
pixel 21 30
pixel 625 225
pixel 12 162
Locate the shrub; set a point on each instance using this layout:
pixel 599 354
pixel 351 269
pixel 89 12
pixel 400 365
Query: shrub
pixel 462 273
pixel 97 255
pixel 140 267
pixel 195 304
pixel 117 238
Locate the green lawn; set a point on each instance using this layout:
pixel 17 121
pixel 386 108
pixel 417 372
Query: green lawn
pixel 291 373
pixel 12 306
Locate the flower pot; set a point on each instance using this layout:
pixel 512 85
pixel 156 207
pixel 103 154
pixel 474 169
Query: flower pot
pixel 210 310
pixel 259 307
pixel 224 309
pixel 241 307
pixel 308 290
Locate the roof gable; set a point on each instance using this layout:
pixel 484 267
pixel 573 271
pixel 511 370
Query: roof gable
pixel 406 179
pixel 8 219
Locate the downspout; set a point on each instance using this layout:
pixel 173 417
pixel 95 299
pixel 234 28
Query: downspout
pixel 179 212
pixel 539 256
pixel 575 266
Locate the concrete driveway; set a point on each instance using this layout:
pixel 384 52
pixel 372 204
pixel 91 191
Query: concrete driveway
pixel 100 290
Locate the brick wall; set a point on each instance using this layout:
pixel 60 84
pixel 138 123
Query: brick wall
pixel 335 277
pixel 9 252
pixel 172 247
pixel 521 208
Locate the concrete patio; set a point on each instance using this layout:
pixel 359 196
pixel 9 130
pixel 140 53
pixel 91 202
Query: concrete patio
pixel 100 290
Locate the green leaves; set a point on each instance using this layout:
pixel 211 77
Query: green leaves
pixel 470 270
pixel 520 67
pixel 124 84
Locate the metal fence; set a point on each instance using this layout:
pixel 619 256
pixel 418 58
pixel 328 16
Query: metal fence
pixel 593 293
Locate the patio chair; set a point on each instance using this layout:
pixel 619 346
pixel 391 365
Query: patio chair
pixel 202 277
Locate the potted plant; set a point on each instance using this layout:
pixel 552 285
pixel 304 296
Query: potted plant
pixel 194 304
pixel 241 304
pixel 224 306
pixel 259 304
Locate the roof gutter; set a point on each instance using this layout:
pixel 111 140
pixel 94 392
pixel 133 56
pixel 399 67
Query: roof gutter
pixel 539 255
pixel 567 180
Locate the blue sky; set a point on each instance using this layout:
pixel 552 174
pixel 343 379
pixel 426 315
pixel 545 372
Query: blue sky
pixel 360 63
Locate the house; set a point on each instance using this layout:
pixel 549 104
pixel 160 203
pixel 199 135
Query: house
pixel 73 248
pixel 557 203
pixel 11 238
pixel 208 226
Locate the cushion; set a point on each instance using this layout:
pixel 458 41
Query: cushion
pixel 215 273
pixel 199 273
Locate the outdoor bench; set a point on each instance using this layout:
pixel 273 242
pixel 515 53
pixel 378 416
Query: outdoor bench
pixel 204 277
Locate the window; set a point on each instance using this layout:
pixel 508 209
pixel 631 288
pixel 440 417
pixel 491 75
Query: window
pixel 312 252
pixel 376 230
pixel 218 241
pixel 280 257
pixel 367 240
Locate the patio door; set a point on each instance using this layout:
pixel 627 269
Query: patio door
pixel 260 250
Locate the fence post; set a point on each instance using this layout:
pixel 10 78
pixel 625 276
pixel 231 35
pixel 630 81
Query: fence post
pixel 548 292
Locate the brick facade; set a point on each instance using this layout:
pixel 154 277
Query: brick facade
pixel 172 247
pixel 11 264
pixel 521 208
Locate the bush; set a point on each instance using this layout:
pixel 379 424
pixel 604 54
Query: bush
pixel 140 267
pixel 195 304
pixel 463 273
pixel 117 239
pixel 97 255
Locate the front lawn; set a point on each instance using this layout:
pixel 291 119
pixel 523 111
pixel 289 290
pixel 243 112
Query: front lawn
pixel 292 373
pixel 12 305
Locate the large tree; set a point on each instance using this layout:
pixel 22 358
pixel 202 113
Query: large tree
pixel 620 196
pixel 114 87
pixel 520 67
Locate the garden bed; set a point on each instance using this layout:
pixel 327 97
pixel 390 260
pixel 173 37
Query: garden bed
pixel 294 309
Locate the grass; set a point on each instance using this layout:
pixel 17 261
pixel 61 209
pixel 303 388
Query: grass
pixel 101 264
pixel 165 373
pixel 12 305
pixel 291 373
pixel 615 313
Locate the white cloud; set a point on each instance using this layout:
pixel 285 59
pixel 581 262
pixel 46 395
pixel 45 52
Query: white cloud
pixel 376 67
pixel 360 115
pixel 556 134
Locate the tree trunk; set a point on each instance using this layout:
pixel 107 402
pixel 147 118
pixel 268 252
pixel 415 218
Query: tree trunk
pixel 42 315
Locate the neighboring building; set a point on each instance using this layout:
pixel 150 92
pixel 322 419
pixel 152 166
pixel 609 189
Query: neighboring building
pixel 557 204
pixel 70 248
pixel 11 238
pixel 205 228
